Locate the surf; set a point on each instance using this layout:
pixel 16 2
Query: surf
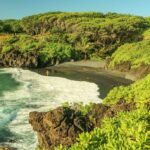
pixel 37 93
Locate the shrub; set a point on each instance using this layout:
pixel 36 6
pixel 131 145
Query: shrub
pixel 136 53
pixel 136 92
pixel 127 131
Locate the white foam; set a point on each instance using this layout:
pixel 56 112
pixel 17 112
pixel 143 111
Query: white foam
pixel 45 93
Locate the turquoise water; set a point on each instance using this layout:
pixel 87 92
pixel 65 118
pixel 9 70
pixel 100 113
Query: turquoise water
pixel 7 83
pixel 8 109
pixel 23 91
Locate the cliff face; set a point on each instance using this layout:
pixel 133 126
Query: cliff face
pixel 60 126
pixel 18 59
pixel 63 125
pixel 139 72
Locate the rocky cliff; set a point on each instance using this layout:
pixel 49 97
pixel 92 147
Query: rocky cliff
pixel 60 126
pixel 63 125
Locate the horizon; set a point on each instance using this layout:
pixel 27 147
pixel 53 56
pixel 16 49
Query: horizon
pixel 19 9
pixel 70 12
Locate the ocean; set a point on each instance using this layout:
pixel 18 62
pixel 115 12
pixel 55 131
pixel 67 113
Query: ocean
pixel 24 91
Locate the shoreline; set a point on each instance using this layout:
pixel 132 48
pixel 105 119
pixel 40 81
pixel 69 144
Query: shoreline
pixel 87 71
pixel 95 66
pixel 90 71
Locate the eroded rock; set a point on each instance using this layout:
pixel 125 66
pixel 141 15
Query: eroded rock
pixel 63 125
pixel 99 111
pixel 59 126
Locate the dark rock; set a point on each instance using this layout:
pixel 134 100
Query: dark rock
pixel 63 125
pixel 60 126
pixel 99 111
pixel 124 66
pixel 17 59
pixel 141 71
pixel 114 109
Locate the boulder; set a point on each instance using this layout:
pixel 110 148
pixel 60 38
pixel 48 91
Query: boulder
pixel 124 66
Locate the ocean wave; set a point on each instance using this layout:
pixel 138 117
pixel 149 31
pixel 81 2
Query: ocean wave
pixel 39 93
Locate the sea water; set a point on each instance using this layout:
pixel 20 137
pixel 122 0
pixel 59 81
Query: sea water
pixel 24 91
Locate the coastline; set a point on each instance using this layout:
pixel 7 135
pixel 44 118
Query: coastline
pixel 90 71
pixel 98 66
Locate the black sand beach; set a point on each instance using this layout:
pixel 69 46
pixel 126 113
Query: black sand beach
pixel 87 71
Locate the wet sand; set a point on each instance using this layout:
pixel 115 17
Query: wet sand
pixel 88 71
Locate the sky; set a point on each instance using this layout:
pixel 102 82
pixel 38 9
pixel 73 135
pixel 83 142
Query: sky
pixel 20 8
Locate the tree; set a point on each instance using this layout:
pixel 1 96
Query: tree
pixel 84 46
pixel 56 52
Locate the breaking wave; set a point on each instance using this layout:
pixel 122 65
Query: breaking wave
pixel 36 93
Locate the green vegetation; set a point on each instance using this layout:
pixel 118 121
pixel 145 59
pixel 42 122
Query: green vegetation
pixel 136 53
pixel 58 37
pixel 146 34
pixel 136 92
pixel 60 52
pixel 10 26
pixel 45 49
pixel 23 43
pixel 82 35
pixel 126 131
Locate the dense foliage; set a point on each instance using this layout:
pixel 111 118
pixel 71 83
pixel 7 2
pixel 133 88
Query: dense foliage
pixel 92 35
pixel 136 92
pixel 60 52
pixel 127 131
pixel 136 53
pixel 23 43
pixel 10 26
pixel 45 49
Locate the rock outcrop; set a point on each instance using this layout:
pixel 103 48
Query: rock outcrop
pixel 99 111
pixel 141 71
pixel 63 125
pixel 59 126
pixel 18 59
pixel 138 72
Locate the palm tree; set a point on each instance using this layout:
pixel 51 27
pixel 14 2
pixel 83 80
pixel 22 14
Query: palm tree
pixel 84 46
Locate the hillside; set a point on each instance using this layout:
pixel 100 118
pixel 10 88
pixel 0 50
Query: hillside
pixel 122 121
pixel 50 38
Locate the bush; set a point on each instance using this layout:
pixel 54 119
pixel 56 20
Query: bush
pixel 59 52
pixel 127 131
pixel 136 53
pixel 136 92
